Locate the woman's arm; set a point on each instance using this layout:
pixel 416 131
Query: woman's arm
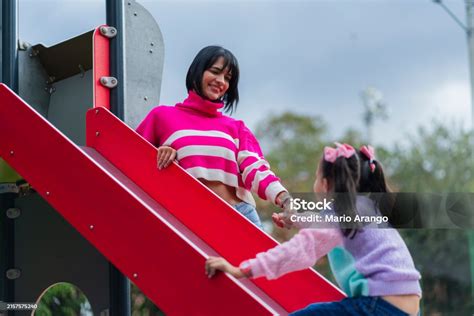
pixel 255 170
pixel 147 129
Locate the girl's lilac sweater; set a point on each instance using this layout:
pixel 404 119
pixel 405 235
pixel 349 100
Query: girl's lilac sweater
pixel 212 146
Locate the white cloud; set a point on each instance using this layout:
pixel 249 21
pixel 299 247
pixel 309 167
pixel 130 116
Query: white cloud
pixel 452 102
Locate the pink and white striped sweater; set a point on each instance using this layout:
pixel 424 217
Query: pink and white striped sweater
pixel 212 146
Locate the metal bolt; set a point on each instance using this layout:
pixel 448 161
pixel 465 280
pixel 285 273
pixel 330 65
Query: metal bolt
pixel 97 133
pixel 135 14
pixel 13 274
pixel 13 213
pixel 91 227
pixel 135 275
pixel 12 152
pixel 97 111
pixel 152 44
pixel 129 3
pixel 47 193
pixel 112 31
pixel 145 98
pixel 151 51
pixel 113 81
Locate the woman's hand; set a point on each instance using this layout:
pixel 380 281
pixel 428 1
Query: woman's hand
pixel 283 200
pixel 165 156
pixel 214 264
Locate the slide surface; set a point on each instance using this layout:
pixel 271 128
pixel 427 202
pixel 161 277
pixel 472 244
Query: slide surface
pixel 157 227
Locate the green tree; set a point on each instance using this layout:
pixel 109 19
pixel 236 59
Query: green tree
pixel 438 159
pixel 293 144
pixel 63 299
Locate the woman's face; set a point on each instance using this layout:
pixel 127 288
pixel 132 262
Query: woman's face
pixel 215 80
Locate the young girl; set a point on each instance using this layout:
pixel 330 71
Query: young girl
pixel 385 280
pixel 216 149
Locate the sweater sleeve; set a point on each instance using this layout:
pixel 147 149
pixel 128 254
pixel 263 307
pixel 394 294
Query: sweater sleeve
pixel 256 174
pixel 148 126
pixel 300 252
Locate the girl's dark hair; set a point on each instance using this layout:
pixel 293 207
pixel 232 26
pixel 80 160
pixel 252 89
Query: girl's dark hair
pixel 203 61
pixel 343 178
pixel 375 182
pixel 371 181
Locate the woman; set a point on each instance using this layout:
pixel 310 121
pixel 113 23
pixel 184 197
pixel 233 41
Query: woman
pixel 216 149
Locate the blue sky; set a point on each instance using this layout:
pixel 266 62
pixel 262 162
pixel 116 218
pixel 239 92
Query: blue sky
pixel 311 57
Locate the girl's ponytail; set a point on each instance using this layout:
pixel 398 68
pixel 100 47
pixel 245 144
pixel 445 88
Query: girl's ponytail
pixel 341 169
pixel 372 180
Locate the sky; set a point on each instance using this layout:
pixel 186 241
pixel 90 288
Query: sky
pixel 307 56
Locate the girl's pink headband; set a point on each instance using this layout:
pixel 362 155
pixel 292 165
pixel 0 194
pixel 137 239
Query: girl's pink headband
pixel 341 150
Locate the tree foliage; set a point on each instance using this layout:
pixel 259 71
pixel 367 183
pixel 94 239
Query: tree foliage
pixel 63 299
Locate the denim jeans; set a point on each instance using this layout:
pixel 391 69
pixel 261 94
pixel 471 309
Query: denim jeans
pixel 352 306
pixel 250 212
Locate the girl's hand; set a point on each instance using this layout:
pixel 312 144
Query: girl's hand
pixel 165 156
pixel 214 264
pixel 282 221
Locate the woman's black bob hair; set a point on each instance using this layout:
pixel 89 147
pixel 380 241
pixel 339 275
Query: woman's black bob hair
pixel 203 61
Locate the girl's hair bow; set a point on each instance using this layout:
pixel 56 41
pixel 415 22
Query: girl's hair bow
pixel 369 152
pixel 341 150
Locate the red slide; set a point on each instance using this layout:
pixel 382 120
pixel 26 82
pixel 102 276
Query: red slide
pixel 156 226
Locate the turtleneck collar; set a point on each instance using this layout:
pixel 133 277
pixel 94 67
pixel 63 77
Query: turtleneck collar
pixel 197 103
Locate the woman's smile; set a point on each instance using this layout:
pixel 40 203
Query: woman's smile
pixel 215 80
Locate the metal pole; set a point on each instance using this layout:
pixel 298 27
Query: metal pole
pixel 470 45
pixel 119 285
pixel 9 44
pixel 116 18
pixel 470 48
pixel 9 24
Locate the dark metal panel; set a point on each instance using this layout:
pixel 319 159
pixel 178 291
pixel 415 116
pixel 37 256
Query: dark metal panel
pixel 49 250
pixel 69 102
pixel 6 247
pixel 66 59
pixel 33 86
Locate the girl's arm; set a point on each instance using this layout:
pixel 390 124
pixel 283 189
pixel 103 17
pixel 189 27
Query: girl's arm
pixel 300 252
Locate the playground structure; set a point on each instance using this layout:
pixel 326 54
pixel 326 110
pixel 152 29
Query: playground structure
pixel 99 203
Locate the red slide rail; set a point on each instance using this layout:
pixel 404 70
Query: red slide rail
pixel 158 253
pixel 199 209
